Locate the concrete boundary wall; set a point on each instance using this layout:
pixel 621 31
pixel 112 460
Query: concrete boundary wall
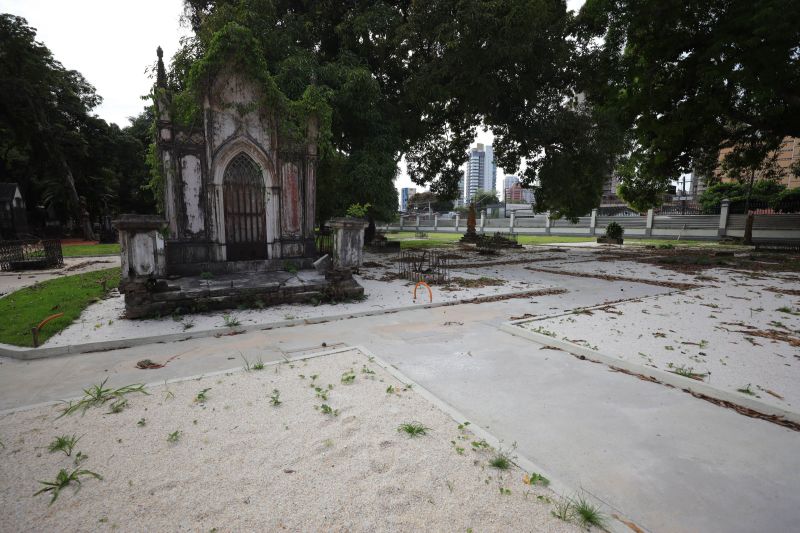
pixel 695 227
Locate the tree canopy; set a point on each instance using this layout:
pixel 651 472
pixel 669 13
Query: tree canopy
pixel 51 144
pixel 684 78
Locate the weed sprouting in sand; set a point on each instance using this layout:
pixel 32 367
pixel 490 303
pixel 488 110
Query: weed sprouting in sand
pixel 174 436
pixel 141 423
pixel 501 461
pixel 328 410
pixel 80 457
pixel 588 513
pixel 535 479
pixel 275 398
pixel 230 321
pixel 63 443
pixel 322 394
pixel 390 390
pixel 202 396
pixel 118 406
pixel 413 429
pixel 348 377
pixel 247 367
pixel 97 395
pixel 747 390
pixel 258 365
pixel 63 479
pixel 563 509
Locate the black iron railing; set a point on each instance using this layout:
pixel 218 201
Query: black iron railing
pixel 31 255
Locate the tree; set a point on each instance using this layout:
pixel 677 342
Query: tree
pixel 428 200
pixel 52 146
pixel 42 106
pixel 483 198
pixel 397 81
pixel 684 79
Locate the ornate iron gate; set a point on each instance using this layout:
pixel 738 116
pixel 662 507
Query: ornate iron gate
pixel 245 213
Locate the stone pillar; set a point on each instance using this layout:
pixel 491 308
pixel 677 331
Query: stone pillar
pixel 593 222
pixel 458 220
pixel 648 229
pixel 547 223
pixel 483 219
pixel 435 221
pixel 401 222
pixel 348 242
pixel 143 261
pixel 511 223
pixel 724 210
pixel 417 226
pixel 142 251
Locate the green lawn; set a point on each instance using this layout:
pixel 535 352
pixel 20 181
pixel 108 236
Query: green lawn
pixel 25 308
pixel 71 250
pixel 407 239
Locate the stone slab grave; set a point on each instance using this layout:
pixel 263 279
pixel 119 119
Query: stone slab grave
pixel 238 225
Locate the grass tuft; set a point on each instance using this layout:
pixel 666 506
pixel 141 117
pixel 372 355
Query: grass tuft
pixel 588 514
pixel 63 479
pixel 501 461
pixel 97 395
pixel 413 429
pixel 64 444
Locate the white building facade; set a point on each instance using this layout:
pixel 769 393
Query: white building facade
pixel 481 172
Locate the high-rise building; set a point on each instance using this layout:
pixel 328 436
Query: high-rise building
pixel 788 154
pixel 405 194
pixel 508 181
pixel 481 172
pixel 515 194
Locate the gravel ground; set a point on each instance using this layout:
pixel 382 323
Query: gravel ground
pixel 240 463
pixel 731 332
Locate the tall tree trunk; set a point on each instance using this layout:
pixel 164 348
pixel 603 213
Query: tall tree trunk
pixel 84 221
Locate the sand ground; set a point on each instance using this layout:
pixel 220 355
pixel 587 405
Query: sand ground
pixel 241 463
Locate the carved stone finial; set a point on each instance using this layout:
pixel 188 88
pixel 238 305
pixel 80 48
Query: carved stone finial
pixel 161 73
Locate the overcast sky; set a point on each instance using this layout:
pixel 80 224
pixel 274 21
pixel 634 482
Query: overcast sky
pixel 112 42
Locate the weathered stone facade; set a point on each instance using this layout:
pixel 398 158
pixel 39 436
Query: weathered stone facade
pixel 234 190
pixel 238 216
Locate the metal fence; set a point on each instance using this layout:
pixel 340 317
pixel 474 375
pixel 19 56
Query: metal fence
pixel 31 255
pixel 324 242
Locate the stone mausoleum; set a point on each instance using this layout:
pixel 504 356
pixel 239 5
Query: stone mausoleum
pixel 238 221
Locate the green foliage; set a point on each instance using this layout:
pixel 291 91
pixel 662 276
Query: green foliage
pixel 25 308
pixel 275 398
pixel 97 395
pixel 768 191
pixel 614 230
pixel 63 443
pixel 63 479
pixel 680 80
pixel 52 144
pixel 413 429
pixel 358 210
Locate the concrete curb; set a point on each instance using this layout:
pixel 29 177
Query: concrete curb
pixel 27 354
pixel 667 378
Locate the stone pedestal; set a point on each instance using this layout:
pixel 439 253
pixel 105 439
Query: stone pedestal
pixel 141 246
pixel 348 242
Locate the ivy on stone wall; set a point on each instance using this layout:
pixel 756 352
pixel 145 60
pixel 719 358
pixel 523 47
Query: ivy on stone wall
pixel 234 47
